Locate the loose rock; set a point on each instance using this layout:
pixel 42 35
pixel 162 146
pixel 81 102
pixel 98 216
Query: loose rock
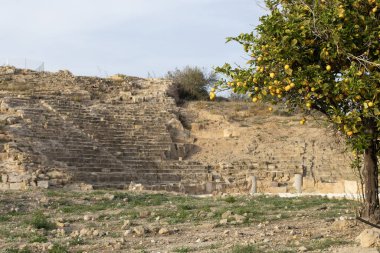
pixel 369 237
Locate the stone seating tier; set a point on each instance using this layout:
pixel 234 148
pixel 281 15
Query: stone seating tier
pixel 101 144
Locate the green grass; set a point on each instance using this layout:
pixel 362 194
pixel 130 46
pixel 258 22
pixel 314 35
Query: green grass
pixel 5 233
pixel 57 248
pixel 245 249
pixel 172 209
pixel 4 218
pixel 8 216
pixel 322 244
pixel 15 250
pixel 76 241
pixel 182 250
pixel 37 238
pixel 65 205
pixel 83 208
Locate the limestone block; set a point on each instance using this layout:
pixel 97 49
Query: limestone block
pixel 4 178
pixel 12 120
pixel 274 184
pixel 243 114
pixel 14 178
pixel 210 187
pixel 55 174
pixel 280 189
pixel 308 184
pixel 4 106
pixel 126 95
pixel 43 184
pixel 4 186
pixel 117 77
pixel 10 71
pixel 337 187
pixel 351 187
pixel 369 237
pixel 17 186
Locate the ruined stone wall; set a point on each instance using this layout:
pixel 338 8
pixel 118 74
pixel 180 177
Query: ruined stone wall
pixel 243 140
pixel 60 130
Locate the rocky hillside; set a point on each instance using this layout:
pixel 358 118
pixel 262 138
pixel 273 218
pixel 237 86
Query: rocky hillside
pixel 60 130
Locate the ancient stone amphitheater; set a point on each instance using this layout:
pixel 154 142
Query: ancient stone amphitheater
pixel 60 130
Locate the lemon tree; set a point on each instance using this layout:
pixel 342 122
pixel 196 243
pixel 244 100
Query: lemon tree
pixel 319 55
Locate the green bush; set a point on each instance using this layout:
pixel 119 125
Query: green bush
pixel 40 221
pixel 230 199
pixel 192 82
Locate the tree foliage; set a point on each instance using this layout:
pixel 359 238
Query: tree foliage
pixel 193 82
pixel 317 54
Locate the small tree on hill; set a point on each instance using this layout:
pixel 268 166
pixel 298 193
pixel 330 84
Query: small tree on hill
pixel 322 55
pixel 193 82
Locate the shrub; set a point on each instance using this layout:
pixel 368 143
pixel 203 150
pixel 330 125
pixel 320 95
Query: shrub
pixel 192 82
pixel 39 221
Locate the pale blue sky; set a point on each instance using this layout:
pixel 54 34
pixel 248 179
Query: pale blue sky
pixel 134 37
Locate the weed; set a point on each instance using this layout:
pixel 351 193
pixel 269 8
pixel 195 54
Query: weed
pixel 4 233
pixel 40 221
pixel 230 199
pixel 8 216
pixel 87 207
pixel 4 218
pixel 178 217
pixel 322 244
pixel 186 207
pixel 37 238
pixel 15 250
pixel 182 250
pixel 147 199
pixel 58 249
pixel 245 249
pixel 284 251
pixel 76 241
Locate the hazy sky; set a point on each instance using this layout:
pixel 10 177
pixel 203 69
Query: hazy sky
pixel 133 37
